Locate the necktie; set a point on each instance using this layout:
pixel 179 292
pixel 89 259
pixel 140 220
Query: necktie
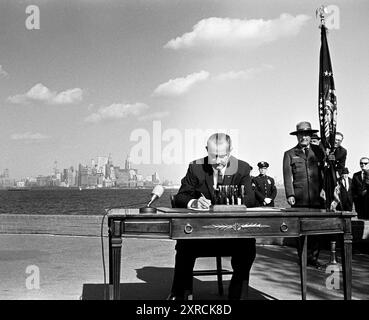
pixel 220 178
pixel 306 150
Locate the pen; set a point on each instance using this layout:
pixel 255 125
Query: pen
pixel 204 196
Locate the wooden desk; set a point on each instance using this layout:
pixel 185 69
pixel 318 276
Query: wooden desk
pixel 175 224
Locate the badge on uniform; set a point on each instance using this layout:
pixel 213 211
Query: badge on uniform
pixel 269 182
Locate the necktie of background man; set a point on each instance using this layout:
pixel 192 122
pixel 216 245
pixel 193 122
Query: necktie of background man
pixel 344 183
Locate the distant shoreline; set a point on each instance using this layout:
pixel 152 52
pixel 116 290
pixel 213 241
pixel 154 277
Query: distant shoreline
pixel 77 188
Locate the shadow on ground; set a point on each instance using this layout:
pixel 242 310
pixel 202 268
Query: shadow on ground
pixel 280 269
pixel 274 275
pixel 156 286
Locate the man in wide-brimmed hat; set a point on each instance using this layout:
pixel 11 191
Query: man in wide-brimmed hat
pixel 302 176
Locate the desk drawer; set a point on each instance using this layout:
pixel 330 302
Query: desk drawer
pixel 146 228
pixel 322 225
pixel 234 227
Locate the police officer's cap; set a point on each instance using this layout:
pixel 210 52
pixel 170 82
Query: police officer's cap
pixel 263 164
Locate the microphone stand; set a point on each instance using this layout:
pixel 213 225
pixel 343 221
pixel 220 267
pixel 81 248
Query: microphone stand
pixel 148 209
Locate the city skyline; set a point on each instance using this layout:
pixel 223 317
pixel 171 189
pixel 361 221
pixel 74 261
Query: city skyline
pixel 120 77
pixel 99 173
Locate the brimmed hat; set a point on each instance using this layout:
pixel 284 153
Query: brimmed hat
pixel 263 164
pixel 303 127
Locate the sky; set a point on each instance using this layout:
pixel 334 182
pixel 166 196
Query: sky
pixel 154 78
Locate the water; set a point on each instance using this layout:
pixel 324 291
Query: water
pixel 86 202
pixel 75 201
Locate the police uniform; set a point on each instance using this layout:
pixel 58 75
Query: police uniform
pixel 264 187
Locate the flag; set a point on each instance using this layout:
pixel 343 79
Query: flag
pixel 327 95
pixel 327 118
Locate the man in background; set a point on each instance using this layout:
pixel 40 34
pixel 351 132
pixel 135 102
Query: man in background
pixel 360 189
pixel 340 154
pixel 345 191
pixel 265 189
pixel 315 139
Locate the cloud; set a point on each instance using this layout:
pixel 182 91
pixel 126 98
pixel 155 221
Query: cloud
pixel 242 74
pixel 40 93
pixel 179 86
pixel 154 115
pixel 230 33
pixel 29 136
pixel 3 73
pixel 116 111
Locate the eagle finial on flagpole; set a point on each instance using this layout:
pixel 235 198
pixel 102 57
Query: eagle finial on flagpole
pixel 321 11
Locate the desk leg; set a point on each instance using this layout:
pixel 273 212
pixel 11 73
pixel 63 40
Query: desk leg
pixel 303 261
pixel 346 256
pixel 115 247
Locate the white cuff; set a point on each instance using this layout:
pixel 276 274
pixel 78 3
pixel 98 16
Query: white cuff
pixel 189 204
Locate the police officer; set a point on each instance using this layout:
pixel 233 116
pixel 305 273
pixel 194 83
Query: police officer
pixel 265 189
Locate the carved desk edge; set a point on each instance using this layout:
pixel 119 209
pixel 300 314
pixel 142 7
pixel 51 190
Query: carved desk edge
pixel 164 212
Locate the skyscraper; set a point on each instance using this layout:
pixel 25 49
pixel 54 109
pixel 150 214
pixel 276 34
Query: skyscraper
pixel 101 165
pixel 128 164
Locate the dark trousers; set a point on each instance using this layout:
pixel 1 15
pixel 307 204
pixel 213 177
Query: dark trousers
pixel 242 252
pixel 313 242
pixel 313 247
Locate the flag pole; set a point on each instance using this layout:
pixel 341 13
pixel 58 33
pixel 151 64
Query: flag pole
pixel 321 12
pixel 327 113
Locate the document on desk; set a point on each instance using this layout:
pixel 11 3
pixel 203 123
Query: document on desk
pixel 219 209
pixel 173 210
pixel 261 209
pixel 181 210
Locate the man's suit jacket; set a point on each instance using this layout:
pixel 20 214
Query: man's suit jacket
pixel 302 176
pixel 340 155
pixel 199 180
pixel 360 196
pixel 345 195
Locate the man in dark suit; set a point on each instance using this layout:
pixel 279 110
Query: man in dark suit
pixel 303 180
pixel 265 189
pixel 197 193
pixel 360 189
pixel 345 184
pixel 340 154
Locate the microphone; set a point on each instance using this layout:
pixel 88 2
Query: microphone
pixel 156 193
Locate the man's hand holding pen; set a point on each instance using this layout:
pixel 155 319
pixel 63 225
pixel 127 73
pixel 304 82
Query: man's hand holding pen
pixel 201 203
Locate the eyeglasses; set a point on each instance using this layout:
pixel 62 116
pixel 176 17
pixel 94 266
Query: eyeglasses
pixel 364 163
pixel 219 156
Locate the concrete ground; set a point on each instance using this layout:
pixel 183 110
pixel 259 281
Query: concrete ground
pixel 70 267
